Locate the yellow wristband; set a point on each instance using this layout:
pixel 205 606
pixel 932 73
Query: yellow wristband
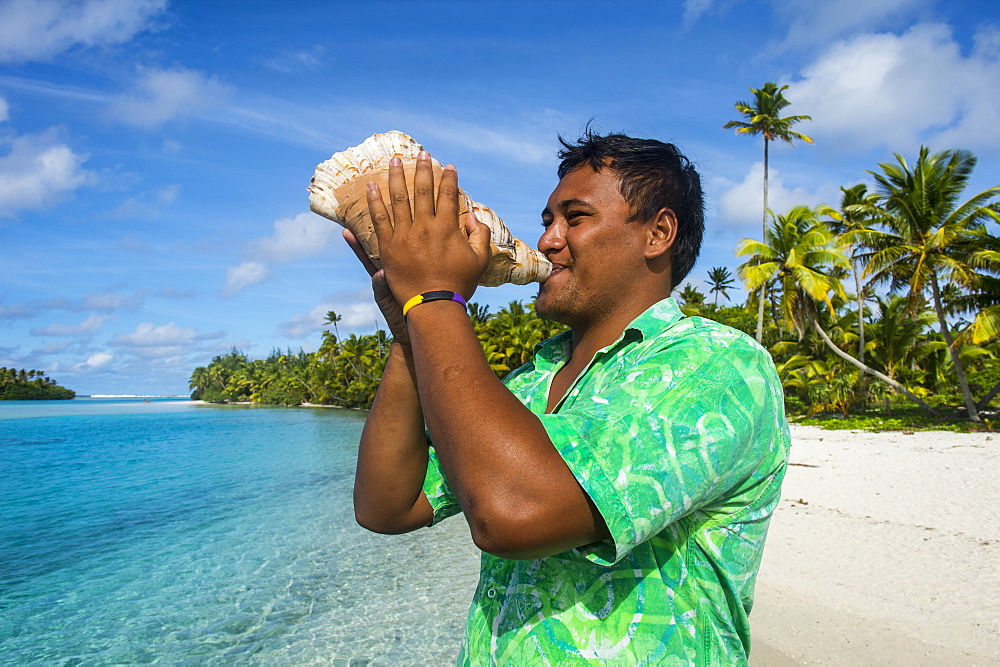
pixel 437 295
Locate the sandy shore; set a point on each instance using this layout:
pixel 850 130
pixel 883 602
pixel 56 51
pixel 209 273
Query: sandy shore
pixel 885 550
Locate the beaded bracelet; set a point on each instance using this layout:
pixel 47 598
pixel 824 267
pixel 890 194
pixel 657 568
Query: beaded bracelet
pixel 437 295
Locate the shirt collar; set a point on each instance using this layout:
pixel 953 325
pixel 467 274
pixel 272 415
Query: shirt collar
pixel 656 318
pixel 651 322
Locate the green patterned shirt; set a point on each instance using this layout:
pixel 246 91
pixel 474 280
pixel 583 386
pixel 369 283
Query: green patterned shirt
pixel 677 433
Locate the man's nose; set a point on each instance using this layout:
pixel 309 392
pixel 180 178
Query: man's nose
pixel 552 239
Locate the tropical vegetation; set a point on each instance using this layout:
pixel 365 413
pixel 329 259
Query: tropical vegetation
pixel 884 310
pixel 30 385
pixel 345 372
pixel 921 327
pixel 763 116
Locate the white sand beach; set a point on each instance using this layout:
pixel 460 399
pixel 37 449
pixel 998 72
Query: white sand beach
pixel 885 550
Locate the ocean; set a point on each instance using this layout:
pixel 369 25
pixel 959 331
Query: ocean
pixel 170 532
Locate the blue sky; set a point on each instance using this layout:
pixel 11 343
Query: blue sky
pixel 154 154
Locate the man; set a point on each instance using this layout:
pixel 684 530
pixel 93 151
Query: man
pixel 621 484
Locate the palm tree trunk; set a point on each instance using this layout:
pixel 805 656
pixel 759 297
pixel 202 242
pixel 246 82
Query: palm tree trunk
pixel 763 238
pixel 984 402
pixel 861 310
pixel 871 371
pixel 305 385
pixel 970 405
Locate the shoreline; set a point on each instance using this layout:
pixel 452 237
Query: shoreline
pixel 274 405
pixel 885 549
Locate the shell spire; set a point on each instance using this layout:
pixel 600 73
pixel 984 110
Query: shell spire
pixel 337 192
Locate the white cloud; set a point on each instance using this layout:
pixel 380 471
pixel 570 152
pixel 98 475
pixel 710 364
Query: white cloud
pixel 147 334
pixel 531 144
pixel 742 203
pixel 161 95
pixel 4 110
pixel 41 29
pixel 244 275
pixel 524 138
pixel 52 348
pixel 810 22
pixel 292 62
pixel 903 90
pixel 92 323
pixel 168 194
pixel 355 316
pixel 38 170
pixel 693 10
pixel 151 341
pixel 102 301
pixel 293 238
pixel 95 361
pixel 111 301
pixel 987 42
pixel 146 205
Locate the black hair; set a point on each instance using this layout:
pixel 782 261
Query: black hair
pixel 653 175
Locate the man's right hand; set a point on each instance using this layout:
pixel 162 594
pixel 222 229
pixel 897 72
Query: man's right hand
pixel 391 309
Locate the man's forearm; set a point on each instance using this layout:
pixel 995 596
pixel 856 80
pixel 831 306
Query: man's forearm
pixel 392 456
pixel 517 493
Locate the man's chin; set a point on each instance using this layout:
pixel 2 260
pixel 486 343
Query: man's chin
pixel 547 311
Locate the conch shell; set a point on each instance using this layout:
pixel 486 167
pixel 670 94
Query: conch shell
pixel 337 192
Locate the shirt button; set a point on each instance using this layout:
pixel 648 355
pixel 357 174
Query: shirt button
pixel 491 593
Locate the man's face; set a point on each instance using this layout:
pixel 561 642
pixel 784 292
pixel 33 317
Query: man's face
pixel 593 249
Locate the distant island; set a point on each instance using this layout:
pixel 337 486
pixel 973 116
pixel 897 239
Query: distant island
pixel 25 385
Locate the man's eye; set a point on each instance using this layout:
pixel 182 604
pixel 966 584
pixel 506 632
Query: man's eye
pixel 546 223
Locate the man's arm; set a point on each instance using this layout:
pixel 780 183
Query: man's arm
pixel 519 497
pixel 392 456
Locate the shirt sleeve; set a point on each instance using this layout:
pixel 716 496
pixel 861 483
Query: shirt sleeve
pixel 681 431
pixel 439 494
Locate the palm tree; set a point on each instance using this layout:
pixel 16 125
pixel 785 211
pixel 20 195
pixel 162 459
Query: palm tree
pixel 898 341
pixel 928 234
pixel 693 301
pixel 763 117
pixel 478 313
pixel 199 381
pixel 984 300
pixel 797 255
pixel 800 254
pixel 984 253
pixel 332 318
pixel 850 221
pixel 721 280
pixel 691 295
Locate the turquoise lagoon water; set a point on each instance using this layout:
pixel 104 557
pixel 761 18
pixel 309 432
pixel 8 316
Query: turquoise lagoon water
pixel 177 533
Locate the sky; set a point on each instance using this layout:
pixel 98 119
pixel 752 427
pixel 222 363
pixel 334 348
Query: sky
pixel 155 154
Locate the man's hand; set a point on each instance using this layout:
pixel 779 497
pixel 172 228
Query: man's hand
pixel 391 310
pixel 424 249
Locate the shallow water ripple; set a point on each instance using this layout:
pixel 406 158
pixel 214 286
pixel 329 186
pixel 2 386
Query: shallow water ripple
pixel 191 534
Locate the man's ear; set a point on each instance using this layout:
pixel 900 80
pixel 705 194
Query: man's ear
pixel 661 232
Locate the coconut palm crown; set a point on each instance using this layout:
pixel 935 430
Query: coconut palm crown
pixel 798 253
pixel 928 234
pixel 763 117
pixel 721 280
